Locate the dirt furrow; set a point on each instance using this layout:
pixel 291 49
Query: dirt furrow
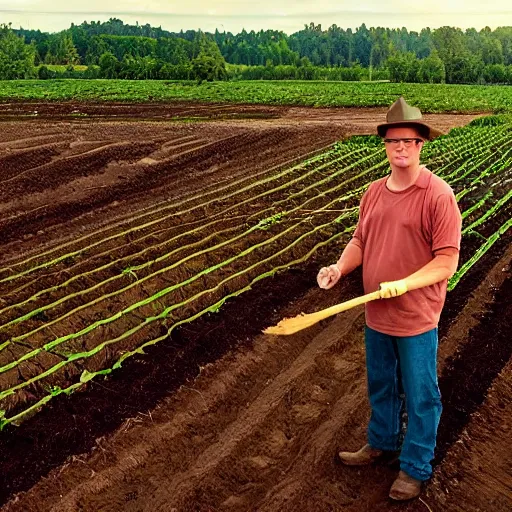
pixel 64 170
pixel 20 160
pixel 185 483
pixel 477 469
pixel 125 187
pixel 13 141
pixel 236 471
pixel 296 490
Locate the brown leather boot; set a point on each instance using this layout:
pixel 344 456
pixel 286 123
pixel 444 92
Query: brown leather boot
pixel 405 487
pixel 366 455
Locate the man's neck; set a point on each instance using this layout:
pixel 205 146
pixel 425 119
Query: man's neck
pixel 402 178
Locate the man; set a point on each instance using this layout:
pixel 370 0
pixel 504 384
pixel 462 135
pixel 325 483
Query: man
pixel 408 240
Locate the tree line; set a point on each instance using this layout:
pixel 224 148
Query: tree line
pixel 113 49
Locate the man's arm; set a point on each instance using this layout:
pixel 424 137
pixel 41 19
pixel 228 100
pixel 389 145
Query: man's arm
pixel 351 258
pixel 442 267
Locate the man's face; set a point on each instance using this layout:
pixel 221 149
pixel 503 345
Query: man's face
pixel 403 154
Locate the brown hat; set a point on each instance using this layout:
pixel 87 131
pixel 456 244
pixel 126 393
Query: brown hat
pixel 402 114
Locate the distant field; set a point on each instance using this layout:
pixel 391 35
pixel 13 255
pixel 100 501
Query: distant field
pixel 430 98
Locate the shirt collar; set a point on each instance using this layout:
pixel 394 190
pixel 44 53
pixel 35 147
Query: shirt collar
pixel 423 179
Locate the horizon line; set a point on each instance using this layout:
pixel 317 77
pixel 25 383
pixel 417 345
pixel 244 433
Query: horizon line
pixel 470 12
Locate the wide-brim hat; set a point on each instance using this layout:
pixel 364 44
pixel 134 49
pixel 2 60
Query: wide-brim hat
pixel 400 114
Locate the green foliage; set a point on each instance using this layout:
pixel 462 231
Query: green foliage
pixel 61 50
pixel 109 65
pixel 406 67
pixel 490 121
pixel 464 69
pixel 403 67
pixel 305 72
pixel 137 68
pixel 368 140
pixel 175 72
pixel 270 221
pixel 92 72
pixel 497 74
pixel 209 64
pixel 431 69
pixel 49 72
pixel 44 73
pixel 446 54
pixel 174 51
pixel 206 68
pixel 123 46
pixel 492 50
pixel 16 57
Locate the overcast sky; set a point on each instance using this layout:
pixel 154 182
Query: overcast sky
pixel 233 15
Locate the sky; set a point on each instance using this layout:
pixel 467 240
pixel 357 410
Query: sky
pixel 234 15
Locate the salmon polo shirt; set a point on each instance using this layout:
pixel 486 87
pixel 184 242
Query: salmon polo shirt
pixel 399 233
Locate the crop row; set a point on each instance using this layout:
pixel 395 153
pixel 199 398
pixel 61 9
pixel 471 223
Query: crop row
pixel 428 97
pixel 148 219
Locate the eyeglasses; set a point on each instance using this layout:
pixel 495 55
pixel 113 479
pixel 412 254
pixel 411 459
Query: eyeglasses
pixel 407 142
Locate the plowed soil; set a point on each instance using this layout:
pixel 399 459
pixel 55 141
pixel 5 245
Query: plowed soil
pixel 220 417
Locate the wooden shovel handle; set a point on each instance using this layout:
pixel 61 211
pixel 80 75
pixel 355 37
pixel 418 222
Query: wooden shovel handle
pixel 302 321
pixel 349 304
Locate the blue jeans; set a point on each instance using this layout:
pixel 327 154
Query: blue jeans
pixel 397 366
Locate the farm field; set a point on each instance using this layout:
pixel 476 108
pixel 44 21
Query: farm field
pixel 428 97
pixel 155 252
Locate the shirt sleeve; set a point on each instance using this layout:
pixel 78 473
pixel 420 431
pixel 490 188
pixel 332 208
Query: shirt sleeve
pixel 447 223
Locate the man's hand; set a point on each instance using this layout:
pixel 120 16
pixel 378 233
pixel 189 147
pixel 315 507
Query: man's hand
pixel 392 289
pixel 328 276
